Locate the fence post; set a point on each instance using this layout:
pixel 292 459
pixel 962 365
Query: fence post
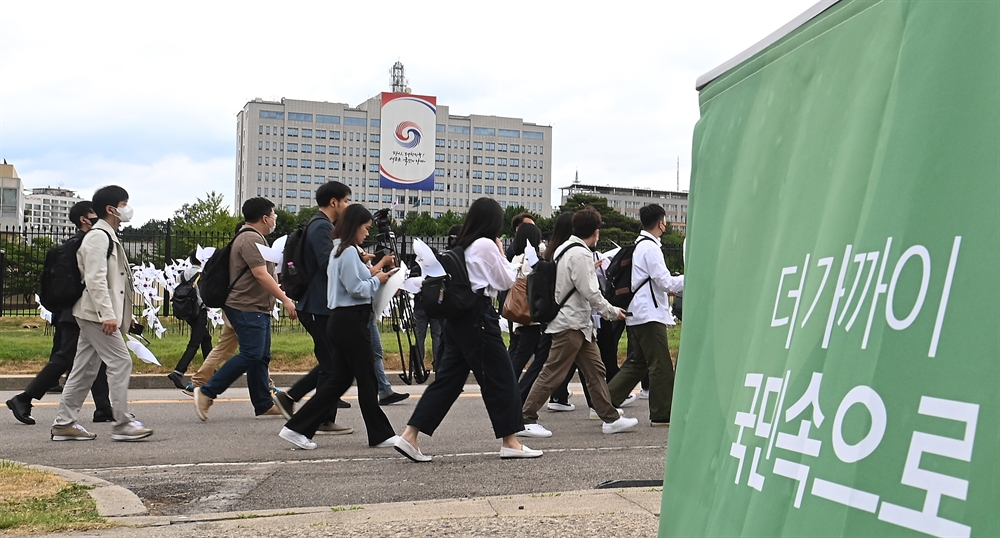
pixel 3 277
pixel 166 261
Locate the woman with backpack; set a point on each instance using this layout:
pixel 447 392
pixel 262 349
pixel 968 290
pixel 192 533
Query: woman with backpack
pixel 528 236
pixel 196 318
pixel 473 343
pixel 350 290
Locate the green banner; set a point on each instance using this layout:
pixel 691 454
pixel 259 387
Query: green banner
pixel 839 372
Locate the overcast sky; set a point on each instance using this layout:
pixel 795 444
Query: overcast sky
pixel 145 94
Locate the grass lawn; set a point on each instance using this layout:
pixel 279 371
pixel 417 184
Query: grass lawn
pixel 33 502
pixel 26 350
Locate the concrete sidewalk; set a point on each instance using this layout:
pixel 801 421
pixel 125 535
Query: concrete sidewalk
pixel 606 513
pixel 283 380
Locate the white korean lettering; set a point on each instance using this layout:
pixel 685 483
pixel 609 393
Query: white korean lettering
pixel 862 259
pixel 925 258
pixel 936 484
pixel 800 443
pixel 797 294
pixel 880 288
pixel 775 320
pixel 838 292
pixel 823 262
pixel 945 294
pixel 870 399
pixel 745 420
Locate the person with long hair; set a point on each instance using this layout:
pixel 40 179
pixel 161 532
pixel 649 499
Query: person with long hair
pixel 352 285
pixel 473 343
pixel 528 236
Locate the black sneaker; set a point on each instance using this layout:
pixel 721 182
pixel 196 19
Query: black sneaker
pixel 21 409
pixel 55 389
pixel 178 379
pixel 395 397
pixel 104 415
pixel 341 404
pixel 283 403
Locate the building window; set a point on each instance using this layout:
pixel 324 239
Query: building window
pixel 305 194
pixel 306 163
pixel 489 189
pixel 439 186
pixel 458 129
pixel 484 131
pixel 321 118
pixel 515 162
pixel 355 121
pixel 438 172
pixel 293 162
pixel 509 133
pixel 295 116
pixel 439 201
pixel 291 193
pixel 439 157
pixel 260 129
pixel 260 144
pixel 307 148
pixel 334 165
pixel 373 183
pixel 307 133
pixel 502 161
pixel 490 146
pixel 320 149
pixel 320 134
pixel 477 145
pixel 293 147
pixel 258 191
pixel 477 174
pixel 334 135
pixel 292 178
pixel 490 160
pixel 260 160
pixel 513 191
pixel 292 131
pixel 501 190
pixel 502 176
pixel 535 135
pixel 320 165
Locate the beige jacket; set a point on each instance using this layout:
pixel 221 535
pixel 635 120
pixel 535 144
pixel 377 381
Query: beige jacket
pixel 109 291
pixel 576 270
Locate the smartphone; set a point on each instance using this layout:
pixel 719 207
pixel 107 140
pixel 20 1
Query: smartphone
pixel 628 314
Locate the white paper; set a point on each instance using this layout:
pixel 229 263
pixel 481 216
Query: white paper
pixel 387 290
pixel 274 253
pixel 141 352
pixel 203 254
pixel 606 257
pixel 42 312
pixel 429 265
pixel 413 284
pixel 531 255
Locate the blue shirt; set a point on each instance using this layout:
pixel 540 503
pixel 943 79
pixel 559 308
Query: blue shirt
pixel 350 281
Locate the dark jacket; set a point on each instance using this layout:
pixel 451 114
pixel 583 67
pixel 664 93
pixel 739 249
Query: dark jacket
pixel 319 243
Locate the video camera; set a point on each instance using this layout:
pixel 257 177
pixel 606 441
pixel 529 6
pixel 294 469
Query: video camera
pixel 385 239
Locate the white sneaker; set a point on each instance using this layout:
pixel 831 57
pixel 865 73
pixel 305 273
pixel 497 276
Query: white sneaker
pixel 629 400
pixel 388 443
pixel 620 425
pixel 534 430
pixel 556 406
pixel 513 453
pixel 595 416
pixel 297 439
pixel 644 394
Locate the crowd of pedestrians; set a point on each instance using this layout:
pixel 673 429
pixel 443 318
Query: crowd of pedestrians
pixel 336 311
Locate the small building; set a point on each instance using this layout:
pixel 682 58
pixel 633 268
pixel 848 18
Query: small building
pixel 11 197
pixel 628 200
pixel 47 208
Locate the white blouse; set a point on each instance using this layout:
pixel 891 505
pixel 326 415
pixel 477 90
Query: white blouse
pixel 489 269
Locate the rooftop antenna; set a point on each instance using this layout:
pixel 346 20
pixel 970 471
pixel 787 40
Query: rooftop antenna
pixel 576 180
pixel 399 82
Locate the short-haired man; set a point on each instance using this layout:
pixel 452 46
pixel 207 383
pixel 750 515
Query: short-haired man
pixel 67 332
pixel 102 312
pixel 573 332
pixel 332 197
pixel 647 326
pixel 248 309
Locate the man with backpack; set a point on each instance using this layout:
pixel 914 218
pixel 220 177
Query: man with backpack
pixel 651 282
pixel 67 332
pixel 578 295
pixel 103 312
pixel 188 306
pixel 249 300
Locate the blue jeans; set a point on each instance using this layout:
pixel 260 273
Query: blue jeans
pixel 253 329
pixel 384 387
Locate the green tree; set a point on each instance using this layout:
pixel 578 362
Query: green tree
pixel 510 213
pixel 287 222
pixel 205 215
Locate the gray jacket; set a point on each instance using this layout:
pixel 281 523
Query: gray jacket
pixel 576 270
pixel 109 292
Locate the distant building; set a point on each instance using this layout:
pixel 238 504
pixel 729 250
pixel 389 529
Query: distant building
pixel 286 148
pixel 628 200
pixel 48 207
pixel 11 197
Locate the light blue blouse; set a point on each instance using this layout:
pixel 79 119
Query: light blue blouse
pixel 350 281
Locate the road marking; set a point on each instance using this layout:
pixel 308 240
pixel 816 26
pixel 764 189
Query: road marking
pixel 347 460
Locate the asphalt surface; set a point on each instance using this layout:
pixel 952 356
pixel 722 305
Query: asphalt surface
pixel 234 462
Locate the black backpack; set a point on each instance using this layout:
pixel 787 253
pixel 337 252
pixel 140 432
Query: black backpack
pixel 618 289
pixel 214 284
pixel 62 285
pixel 542 303
pixel 451 295
pixel 294 276
pixel 185 302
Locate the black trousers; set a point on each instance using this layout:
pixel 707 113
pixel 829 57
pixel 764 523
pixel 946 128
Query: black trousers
pixel 64 341
pixel 350 358
pixel 473 343
pixel 200 337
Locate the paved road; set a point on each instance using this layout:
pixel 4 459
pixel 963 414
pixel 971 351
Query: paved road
pixel 234 462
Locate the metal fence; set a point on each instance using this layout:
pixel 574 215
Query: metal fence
pixel 23 249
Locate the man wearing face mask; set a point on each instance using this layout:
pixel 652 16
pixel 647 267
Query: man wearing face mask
pixel 102 312
pixel 67 332
pixel 248 308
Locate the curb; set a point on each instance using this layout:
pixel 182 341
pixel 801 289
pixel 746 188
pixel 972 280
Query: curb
pixel 112 501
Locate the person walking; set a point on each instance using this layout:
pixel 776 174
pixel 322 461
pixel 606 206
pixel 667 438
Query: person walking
pixel 647 327
pixel 103 312
pixel 64 341
pixel 200 335
pixel 248 308
pixel 573 331
pixel 473 343
pixel 351 287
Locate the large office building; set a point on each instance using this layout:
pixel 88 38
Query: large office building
pixel 628 200
pixel 48 207
pixel 287 148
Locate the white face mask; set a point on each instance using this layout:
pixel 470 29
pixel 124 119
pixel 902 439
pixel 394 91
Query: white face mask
pixel 125 213
pixel 274 221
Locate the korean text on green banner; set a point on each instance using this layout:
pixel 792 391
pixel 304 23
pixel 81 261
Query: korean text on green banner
pixel 839 371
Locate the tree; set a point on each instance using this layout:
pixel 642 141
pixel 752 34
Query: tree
pixel 510 213
pixel 205 215
pixel 287 222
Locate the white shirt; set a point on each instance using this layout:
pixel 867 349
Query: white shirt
pixel 488 268
pixel 647 262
